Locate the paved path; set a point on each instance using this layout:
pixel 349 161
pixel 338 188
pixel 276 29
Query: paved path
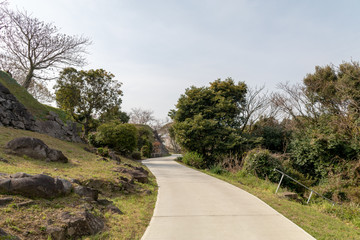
pixel 193 205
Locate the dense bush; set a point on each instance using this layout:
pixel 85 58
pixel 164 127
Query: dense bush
pixel 275 136
pixel 319 148
pixel 261 163
pixel 118 136
pixel 194 159
pixel 136 155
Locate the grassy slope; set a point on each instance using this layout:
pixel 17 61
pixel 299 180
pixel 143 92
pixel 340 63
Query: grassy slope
pixel 37 109
pixel 83 165
pixel 313 218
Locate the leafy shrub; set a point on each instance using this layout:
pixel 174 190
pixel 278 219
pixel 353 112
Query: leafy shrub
pixel 118 136
pixel 136 155
pixel 320 148
pixel 194 159
pixel 145 151
pixel 261 163
pixel 104 152
pixel 217 169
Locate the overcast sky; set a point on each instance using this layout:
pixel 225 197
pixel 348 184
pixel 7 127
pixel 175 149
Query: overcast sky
pixel 159 48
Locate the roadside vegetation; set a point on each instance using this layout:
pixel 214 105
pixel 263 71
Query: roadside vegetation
pixel 309 131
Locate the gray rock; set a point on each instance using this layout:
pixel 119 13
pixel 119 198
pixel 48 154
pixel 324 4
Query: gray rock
pixel 80 224
pixel 56 233
pixel 14 114
pixel 137 174
pixel 5 201
pixel 25 204
pixel 20 175
pixel 67 185
pixel 87 192
pixel 37 186
pixel 35 148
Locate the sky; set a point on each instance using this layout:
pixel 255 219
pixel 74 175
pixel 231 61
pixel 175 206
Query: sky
pixel 159 48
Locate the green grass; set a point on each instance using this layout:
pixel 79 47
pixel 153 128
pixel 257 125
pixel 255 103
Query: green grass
pixel 38 110
pixel 137 207
pixel 320 219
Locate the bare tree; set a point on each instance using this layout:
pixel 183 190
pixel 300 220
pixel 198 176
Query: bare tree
pixel 257 104
pixel 33 48
pixel 295 102
pixel 3 5
pixel 141 116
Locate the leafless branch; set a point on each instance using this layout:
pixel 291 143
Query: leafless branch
pixel 33 47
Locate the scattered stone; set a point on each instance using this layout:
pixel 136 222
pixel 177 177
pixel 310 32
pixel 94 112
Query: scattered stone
pixel 114 209
pixel 5 201
pixel 100 185
pixel 35 148
pixel 3 160
pixel 40 185
pixel 135 173
pixel 25 204
pixel 104 202
pixel 87 192
pixel 6 236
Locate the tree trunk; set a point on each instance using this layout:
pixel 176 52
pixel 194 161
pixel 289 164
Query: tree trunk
pixel 86 127
pixel 28 79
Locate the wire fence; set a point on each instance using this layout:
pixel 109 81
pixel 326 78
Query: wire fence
pixel 311 190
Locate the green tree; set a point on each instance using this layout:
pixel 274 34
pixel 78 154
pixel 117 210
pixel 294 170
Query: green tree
pixel 121 137
pixel 208 119
pixel 114 113
pixel 87 94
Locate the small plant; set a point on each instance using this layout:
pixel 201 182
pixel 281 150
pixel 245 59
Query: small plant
pixel 146 151
pixel 104 152
pixel 217 169
pixel 194 159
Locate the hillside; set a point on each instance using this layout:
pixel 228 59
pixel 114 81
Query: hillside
pixel 136 200
pixel 37 109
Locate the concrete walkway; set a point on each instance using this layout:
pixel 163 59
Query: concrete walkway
pixel 193 205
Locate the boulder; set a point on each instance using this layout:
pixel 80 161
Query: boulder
pixel 79 224
pixel 87 192
pixel 36 186
pixel 35 148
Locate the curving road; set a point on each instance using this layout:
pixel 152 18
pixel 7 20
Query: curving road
pixel 193 205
